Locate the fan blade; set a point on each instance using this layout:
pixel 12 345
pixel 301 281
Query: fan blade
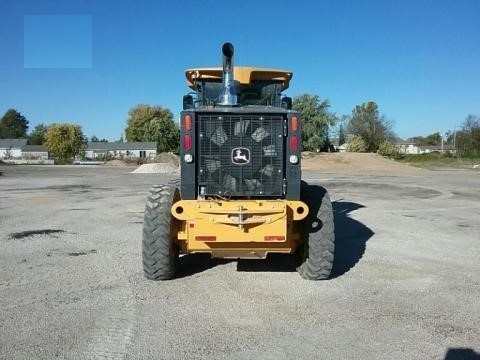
pixel 269 150
pixel 252 184
pixel 267 170
pixel 241 127
pixel 259 134
pixel 219 136
pixel 212 165
pixel 229 183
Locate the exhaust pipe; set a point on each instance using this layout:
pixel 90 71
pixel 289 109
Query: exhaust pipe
pixel 228 96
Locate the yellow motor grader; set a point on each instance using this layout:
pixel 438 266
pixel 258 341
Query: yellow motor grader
pixel 240 193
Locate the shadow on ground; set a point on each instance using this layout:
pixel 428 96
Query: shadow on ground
pixel 461 354
pixel 351 237
pixel 273 263
pixel 189 265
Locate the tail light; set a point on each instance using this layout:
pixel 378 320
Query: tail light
pixel 293 143
pixel 294 123
pixel 187 122
pixel 187 142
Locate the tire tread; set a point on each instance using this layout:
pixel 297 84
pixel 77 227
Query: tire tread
pixel 159 250
pixel 319 234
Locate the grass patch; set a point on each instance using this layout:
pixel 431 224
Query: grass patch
pixel 436 160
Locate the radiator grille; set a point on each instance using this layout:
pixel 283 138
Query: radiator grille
pixel 240 155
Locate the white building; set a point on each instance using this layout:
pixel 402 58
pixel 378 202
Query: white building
pixel 11 148
pixel 38 152
pixel 406 147
pixel 119 149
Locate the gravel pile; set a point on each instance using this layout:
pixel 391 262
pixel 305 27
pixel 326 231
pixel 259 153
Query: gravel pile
pixel 167 157
pixel 116 162
pixel 157 168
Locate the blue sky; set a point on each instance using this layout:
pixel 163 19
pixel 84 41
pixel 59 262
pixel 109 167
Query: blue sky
pixel 418 59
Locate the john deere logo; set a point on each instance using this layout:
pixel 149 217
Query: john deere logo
pixel 240 155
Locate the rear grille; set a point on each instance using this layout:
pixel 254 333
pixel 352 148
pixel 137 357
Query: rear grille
pixel 240 155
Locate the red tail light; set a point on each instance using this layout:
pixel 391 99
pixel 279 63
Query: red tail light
pixel 294 123
pixel 293 143
pixel 187 142
pixel 187 122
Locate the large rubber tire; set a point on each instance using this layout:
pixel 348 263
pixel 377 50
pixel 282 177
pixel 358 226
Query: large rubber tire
pixel 159 245
pixel 318 234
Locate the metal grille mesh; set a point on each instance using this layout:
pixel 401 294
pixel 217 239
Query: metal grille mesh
pixel 240 155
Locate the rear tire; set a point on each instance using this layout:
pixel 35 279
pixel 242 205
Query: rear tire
pixel 159 245
pixel 318 234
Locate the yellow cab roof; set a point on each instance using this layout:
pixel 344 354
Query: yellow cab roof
pixel 243 74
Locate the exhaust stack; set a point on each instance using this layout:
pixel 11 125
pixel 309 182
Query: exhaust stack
pixel 228 96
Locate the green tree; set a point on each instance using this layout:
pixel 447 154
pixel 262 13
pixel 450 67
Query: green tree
pixel 316 119
pixel 37 136
pixel 341 136
pixel 366 122
pixel 389 149
pixel 96 139
pixel 432 139
pixel 468 139
pixel 153 123
pixel 13 125
pixel 357 144
pixel 65 141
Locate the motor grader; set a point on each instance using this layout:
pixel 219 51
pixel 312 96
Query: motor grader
pixel 240 193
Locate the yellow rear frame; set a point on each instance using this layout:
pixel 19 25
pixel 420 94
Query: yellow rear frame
pixel 238 228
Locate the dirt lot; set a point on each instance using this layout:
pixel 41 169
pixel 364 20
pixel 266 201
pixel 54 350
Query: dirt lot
pixel 355 163
pixel 406 281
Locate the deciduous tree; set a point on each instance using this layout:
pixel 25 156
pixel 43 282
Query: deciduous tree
pixel 65 141
pixel 153 123
pixel 468 139
pixel 96 139
pixel 432 139
pixel 341 136
pixel 366 122
pixel 316 119
pixel 357 144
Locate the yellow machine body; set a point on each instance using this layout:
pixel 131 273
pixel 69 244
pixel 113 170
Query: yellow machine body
pixel 238 228
pixel 243 74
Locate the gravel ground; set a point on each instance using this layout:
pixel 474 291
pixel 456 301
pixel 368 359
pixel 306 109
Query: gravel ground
pixel 406 281
pixel 157 168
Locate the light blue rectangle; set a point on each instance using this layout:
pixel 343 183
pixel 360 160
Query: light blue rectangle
pixel 57 41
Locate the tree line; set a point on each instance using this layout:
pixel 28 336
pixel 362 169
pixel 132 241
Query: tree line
pixel 365 130
pixel 465 139
pixel 65 141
